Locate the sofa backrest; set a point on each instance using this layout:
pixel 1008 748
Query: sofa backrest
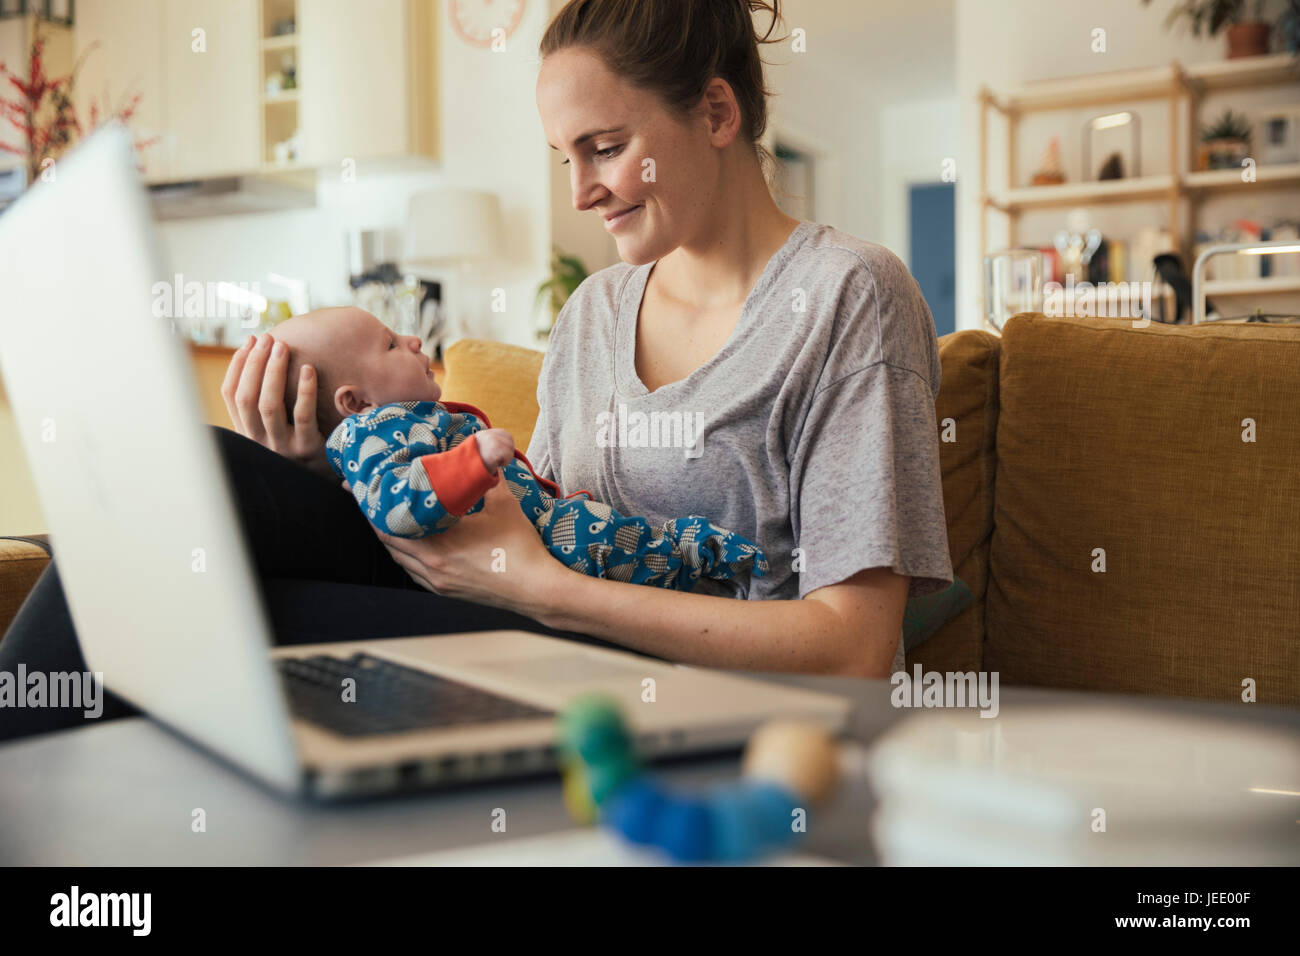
pixel 497 378
pixel 1066 443
pixel 967 414
pixel 1146 504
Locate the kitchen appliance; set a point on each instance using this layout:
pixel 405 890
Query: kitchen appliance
pixel 405 303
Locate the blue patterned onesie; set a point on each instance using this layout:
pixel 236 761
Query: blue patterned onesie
pixel 414 468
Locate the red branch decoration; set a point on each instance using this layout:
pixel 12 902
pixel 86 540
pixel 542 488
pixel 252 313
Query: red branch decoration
pixel 43 111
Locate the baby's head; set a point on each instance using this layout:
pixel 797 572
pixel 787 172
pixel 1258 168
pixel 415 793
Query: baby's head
pixel 360 363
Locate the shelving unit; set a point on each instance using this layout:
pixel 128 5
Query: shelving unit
pixel 280 113
pixel 1172 84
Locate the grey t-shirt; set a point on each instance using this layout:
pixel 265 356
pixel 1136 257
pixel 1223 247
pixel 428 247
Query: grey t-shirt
pixel 813 427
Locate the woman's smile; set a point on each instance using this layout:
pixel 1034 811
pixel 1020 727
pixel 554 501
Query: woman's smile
pixel 620 219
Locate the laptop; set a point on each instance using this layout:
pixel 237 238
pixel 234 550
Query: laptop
pixel 160 584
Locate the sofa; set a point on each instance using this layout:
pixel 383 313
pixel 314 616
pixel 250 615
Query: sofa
pixel 1121 502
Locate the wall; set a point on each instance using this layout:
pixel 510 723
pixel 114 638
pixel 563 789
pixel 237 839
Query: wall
pixel 915 139
pixel 870 97
pixel 873 93
pixel 1007 43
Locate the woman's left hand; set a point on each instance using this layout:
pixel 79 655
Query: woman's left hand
pixel 491 557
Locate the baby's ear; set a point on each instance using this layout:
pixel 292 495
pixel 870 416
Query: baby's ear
pixel 348 402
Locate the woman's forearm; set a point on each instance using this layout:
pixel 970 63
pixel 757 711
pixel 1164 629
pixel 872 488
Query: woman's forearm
pixel 803 636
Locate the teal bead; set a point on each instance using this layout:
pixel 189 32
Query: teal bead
pixel 606 777
pixel 592 728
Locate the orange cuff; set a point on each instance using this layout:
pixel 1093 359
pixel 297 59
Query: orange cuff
pixel 458 476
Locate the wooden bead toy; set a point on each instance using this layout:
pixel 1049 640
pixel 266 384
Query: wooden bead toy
pixel 800 756
pixel 788 766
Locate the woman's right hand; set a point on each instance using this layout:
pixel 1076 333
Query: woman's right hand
pixel 253 391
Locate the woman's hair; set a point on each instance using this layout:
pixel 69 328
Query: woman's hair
pixel 674 48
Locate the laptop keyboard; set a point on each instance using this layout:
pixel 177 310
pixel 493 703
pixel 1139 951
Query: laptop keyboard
pixel 389 697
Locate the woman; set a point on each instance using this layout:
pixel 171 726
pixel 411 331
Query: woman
pixel 808 356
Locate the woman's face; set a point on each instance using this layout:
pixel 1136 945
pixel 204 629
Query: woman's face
pixel 642 161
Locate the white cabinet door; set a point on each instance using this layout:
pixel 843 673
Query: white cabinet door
pixel 210 65
pixel 352 79
pixel 127 60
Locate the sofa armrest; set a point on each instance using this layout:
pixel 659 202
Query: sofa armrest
pixel 21 562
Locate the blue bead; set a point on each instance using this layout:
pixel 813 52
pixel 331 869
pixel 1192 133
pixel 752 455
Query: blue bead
pixel 735 825
pixel 634 810
pixel 772 807
pixel 682 829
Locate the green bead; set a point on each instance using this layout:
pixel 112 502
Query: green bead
pixel 592 729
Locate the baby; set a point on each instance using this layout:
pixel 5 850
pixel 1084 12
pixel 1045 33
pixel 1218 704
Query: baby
pixel 416 465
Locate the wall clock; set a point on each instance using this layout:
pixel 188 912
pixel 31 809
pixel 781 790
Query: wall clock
pixel 475 20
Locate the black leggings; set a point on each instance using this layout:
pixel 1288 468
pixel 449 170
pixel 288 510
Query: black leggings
pixel 324 574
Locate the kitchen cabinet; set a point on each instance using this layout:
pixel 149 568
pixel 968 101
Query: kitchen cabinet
pixel 127 59
pixel 211 97
pixel 367 79
pixel 201 107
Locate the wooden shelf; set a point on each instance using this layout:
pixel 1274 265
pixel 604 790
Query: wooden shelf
pixel 286 42
pixel 1074 194
pixel 292 171
pixel 284 96
pixel 1268 285
pixel 1140 188
pixel 1244 71
pixel 1229 180
pixel 1097 89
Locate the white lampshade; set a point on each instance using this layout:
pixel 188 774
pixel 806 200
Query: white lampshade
pixel 452 225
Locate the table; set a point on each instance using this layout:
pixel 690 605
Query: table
pixel 123 794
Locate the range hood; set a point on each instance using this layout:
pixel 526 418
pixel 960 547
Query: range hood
pixel 234 195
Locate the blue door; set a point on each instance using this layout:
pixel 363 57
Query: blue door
pixel 933 251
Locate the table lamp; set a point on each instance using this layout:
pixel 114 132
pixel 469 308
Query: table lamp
pixel 453 227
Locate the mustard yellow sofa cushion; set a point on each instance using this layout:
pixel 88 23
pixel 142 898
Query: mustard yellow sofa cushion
pixel 967 414
pixel 1171 453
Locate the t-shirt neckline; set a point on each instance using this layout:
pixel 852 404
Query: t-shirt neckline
pixel 627 382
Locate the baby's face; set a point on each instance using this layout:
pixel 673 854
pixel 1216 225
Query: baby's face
pixel 365 363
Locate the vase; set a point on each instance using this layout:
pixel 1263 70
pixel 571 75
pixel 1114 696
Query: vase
pixel 1247 39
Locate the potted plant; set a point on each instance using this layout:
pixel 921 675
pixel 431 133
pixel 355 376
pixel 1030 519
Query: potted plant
pixel 1247 33
pixel 43 110
pixel 1288 27
pixel 1225 142
pixel 567 273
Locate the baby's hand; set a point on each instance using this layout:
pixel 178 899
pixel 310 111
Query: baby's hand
pixel 496 446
